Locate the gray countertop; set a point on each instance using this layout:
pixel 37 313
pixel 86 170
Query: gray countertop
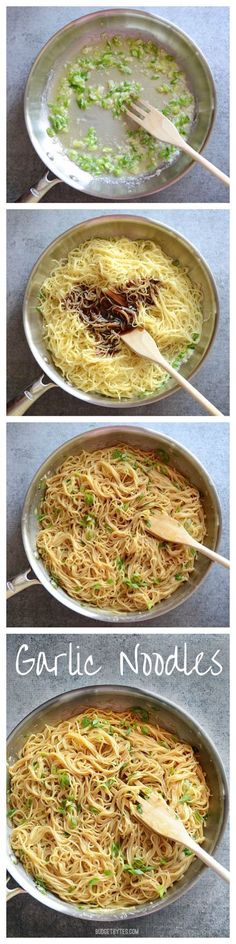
pixel 28 237
pixel 203 911
pixel 29 443
pixel 208 27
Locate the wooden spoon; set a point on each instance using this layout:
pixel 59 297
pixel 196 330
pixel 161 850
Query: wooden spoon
pixel 167 528
pixel 163 129
pixel 160 818
pixel 141 342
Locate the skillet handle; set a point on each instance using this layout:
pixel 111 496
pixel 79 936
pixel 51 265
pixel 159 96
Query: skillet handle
pixel 21 582
pixel 35 194
pixel 23 401
pixel 11 892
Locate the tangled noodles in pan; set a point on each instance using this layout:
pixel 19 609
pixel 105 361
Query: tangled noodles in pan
pixel 74 791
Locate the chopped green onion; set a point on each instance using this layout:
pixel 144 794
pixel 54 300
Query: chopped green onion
pixel 134 582
pixel 108 783
pixel 197 816
pixel 89 498
pixel 120 563
pixel 161 890
pixel 40 884
pixel 72 822
pixel 64 779
pixel 141 712
pixel 117 454
pixel 115 849
pixel 86 722
pixel 135 870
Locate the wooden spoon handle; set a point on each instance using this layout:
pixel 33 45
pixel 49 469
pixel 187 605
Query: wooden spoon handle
pixel 188 387
pixel 209 861
pixel 203 160
pixel 212 554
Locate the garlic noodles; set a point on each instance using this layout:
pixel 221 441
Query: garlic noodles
pixel 72 802
pixel 93 520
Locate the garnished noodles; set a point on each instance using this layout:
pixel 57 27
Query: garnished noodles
pixel 73 795
pixel 94 518
pixel 172 315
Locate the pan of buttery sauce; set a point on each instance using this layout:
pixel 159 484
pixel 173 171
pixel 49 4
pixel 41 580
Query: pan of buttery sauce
pixel 78 90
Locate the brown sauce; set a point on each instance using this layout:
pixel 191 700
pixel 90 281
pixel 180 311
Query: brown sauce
pixel 109 314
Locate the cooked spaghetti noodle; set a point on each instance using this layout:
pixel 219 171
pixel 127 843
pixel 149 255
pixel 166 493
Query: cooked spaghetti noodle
pixel 70 299
pixel 93 534
pixel 73 794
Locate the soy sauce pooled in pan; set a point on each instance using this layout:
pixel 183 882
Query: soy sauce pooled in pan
pixel 109 313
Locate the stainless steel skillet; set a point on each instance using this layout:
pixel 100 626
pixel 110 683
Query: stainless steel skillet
pixel 171 717
pixel 63 47
pixel 133 227
pixel 105 437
